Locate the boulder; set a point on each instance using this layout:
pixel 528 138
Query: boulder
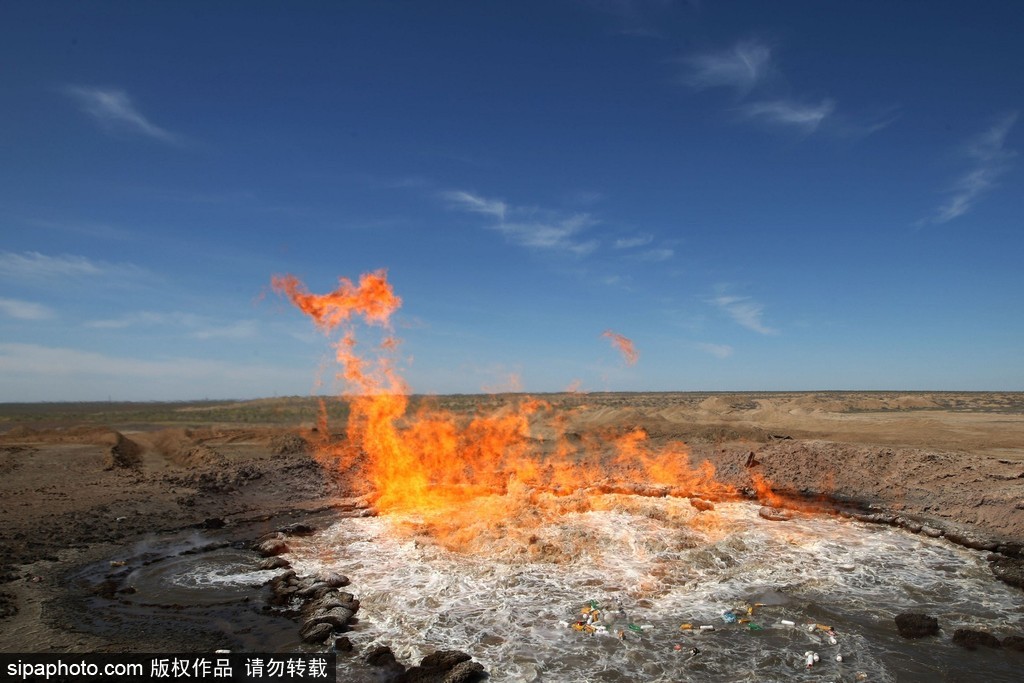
pixel 337 617
pixel 1009 570
pixel 383 658
pixel 702 505
pixel 969 540
pixel 380 656
pixel 275 562
pixel 970 639
pixel 316 591
pixel 1010 549
pixel 775 514
pixel 343 644
pixel 466 672
pixel 1014 643
pixel 272 547
pixel 916 625
pixel 346 600
pixel 445 666
pixel 315 632
pixel 297 529
pixel 333 579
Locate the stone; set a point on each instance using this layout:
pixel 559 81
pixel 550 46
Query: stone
pixel 916 625
pixel 316 591
pixel 346 600
pixel 333 579
pixel 272 547
pixel 972 541
pixel 1014 643
pixel 1009 570
pixel 466 672
pixel 211 523
pixel 702 505
pixel 775 514
pixel 337 617
pixel 445 666
pixel 297 529
pixel 343 644
pixel 380 655
pixel 970 639
pixel 275 562
pixel 1010 549
pixel 315 632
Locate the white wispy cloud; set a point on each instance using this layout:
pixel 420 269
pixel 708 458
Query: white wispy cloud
pixel 555 234
pixel 34 372
pixel 741 67
pixel 529 226
pixel 25 310
pixel 744 311
pixel 991 160
pixel 633 242
pixel 748 66
pixel 468 201
pixel 33 265
pixel 114 111
pixel 716 350
pixel 789 113
pixel 653 255
pixel 188 324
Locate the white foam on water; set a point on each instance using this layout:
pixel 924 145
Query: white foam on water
pixel 418 597
pixel 213 573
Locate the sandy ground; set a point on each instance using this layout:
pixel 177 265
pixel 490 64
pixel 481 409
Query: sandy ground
pixel 73 494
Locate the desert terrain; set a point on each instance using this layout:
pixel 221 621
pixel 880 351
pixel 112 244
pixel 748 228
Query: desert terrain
pixel 80 484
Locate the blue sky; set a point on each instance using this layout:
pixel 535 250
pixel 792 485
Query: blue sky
pixel 762 196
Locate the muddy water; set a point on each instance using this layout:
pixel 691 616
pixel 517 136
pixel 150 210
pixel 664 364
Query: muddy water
pixel 196 592
pixel 653 574
pixel 652 563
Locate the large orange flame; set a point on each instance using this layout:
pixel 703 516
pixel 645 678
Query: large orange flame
pixel 624 345
pixel 464 473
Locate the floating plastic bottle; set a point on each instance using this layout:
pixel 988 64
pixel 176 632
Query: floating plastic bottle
pixel 707 627
pixel 787 622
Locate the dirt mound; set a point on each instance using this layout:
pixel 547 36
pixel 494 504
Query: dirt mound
pixel 183 448
pixel 919 402
pixel 124 453
pixel 288 444
pixel 18 432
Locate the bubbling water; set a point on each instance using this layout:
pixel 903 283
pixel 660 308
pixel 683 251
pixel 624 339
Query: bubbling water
pixel 657 564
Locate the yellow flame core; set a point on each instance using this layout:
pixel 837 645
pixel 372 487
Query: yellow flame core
pixel 502 471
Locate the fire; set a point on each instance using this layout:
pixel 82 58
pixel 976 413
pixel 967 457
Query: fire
pixel 624 345
pixel 464 476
